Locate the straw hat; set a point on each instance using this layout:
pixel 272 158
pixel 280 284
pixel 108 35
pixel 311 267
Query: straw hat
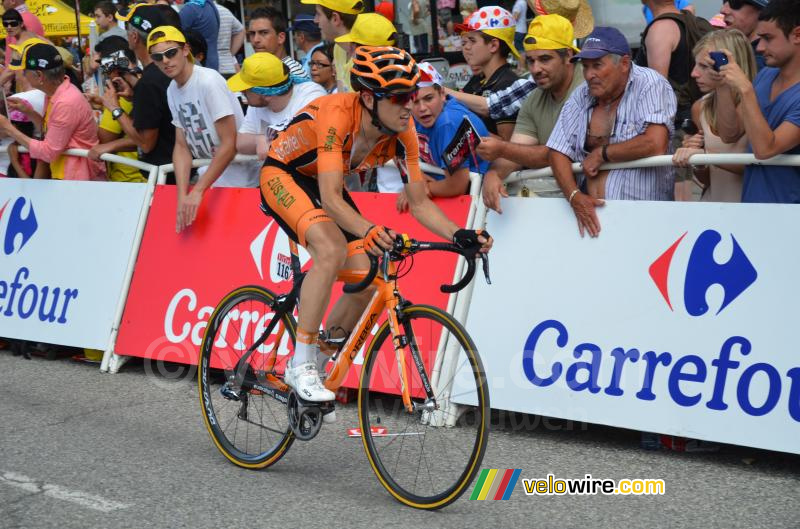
pixel 579 12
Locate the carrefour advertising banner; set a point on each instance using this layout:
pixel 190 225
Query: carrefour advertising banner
pixel 64 250
pixel 680 318
pixel 180 278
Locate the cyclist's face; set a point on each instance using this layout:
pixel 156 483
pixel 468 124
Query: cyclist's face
pixel 428 105
pixel 395 116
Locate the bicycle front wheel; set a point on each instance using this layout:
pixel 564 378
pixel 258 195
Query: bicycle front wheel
pixel 425 458
pixel 247 420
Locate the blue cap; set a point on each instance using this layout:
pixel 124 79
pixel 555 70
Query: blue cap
pixel 305 22
pixel 601 42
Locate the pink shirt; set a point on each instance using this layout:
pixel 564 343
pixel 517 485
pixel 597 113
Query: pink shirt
pixel 69 124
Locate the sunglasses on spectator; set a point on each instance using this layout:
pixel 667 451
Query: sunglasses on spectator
pixel 170 53
pixel 11 23
pixel 399 99
pixel 738 4
pixel 317 64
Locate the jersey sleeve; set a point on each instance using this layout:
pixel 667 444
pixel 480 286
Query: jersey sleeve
pixel 333 126
pixel 407 155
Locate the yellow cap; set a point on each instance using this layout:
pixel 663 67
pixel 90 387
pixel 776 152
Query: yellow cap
pixel 164 34
pixel 260 69
pixel 549 32
pixel 370 29
pixel 349 7
pixel 19 47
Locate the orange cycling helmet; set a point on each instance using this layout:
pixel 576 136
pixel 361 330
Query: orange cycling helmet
pixel 383 70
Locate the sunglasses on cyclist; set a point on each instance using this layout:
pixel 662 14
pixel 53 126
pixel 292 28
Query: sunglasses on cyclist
pixel 11 23
pixel 169 54
pixel 399 99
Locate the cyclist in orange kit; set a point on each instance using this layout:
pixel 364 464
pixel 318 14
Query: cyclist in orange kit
pixel 302 187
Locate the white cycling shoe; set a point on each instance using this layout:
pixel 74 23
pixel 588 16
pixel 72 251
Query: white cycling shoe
pixel 305 381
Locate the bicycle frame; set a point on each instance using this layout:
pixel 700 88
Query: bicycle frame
pixel 386 298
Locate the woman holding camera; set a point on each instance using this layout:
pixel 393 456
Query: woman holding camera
pixel 720 183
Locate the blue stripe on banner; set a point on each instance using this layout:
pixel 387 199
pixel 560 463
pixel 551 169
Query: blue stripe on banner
pixel 512 483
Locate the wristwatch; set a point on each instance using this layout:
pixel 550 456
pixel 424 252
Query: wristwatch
pixel 116 113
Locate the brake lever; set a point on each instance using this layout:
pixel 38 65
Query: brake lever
pixel 485 259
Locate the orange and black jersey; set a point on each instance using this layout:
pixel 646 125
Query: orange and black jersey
pixel 320 138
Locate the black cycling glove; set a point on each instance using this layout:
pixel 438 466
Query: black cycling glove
pixel 469 238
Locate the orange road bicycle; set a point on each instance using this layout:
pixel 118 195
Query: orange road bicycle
pixel 424 430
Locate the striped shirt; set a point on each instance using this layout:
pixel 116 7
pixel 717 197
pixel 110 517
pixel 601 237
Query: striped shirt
pixel 295 68
pixel 648 98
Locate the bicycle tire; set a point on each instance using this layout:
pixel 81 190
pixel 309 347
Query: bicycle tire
pixel 456 466
pixel 217 353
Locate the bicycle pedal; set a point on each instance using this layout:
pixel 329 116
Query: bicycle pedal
pixel 227 392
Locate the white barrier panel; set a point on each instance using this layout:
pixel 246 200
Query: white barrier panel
pixel 679 318
pixel 64 251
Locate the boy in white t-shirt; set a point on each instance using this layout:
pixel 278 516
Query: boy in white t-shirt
pixel 274 97
pixel 206 115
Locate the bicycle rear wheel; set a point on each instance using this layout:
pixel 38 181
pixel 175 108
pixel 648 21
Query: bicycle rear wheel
pixel 424 459
pixel 247 422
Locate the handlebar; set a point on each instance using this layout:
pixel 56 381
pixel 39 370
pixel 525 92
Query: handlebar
pixel 405 247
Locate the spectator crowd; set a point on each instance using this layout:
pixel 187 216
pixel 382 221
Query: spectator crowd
pixel 174 88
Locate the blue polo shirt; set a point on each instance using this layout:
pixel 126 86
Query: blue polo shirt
pixel 774 183
pixel 433 141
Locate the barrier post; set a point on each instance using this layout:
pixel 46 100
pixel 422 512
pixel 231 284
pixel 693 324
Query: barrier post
pixel 111 361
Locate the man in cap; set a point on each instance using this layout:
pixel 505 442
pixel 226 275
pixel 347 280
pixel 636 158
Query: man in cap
pixel 149 124
pixel 307 38
pixel 743 15
pixel 623 112
pixel 274 97
pixel 548 52
pixel 206 115
pixel 69 122
pixel 335 18
pixel 487 39
pixel 437 117
pixel 266 32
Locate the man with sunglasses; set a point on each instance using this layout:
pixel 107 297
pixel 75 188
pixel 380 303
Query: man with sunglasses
pixel 206 116
pixel 302 188
pixel 274 97
pixel 149 124
pixel 743 15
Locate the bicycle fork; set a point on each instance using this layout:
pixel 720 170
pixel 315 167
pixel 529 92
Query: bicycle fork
pixel 402 337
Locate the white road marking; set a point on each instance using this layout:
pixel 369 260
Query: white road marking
pixel 84 499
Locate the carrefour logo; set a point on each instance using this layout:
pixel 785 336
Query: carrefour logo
pixel 21 295
pixel 21 224
pixel 703 271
